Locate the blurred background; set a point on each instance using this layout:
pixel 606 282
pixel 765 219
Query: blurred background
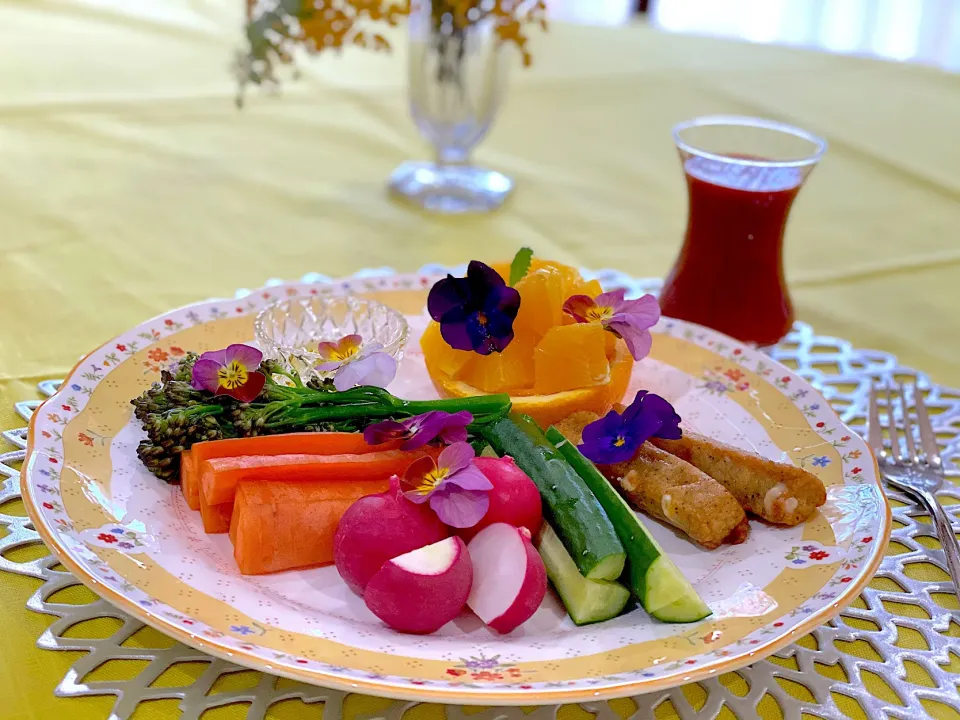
pixel 924 31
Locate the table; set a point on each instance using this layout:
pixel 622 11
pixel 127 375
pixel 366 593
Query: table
pixel 130 184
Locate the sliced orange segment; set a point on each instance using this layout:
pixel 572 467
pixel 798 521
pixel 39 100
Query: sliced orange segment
pixel 508 371
pixel 541 303
pixel 570 357
pixel 571 276
pixel 441 355
pixel 588 287
pixel 550 409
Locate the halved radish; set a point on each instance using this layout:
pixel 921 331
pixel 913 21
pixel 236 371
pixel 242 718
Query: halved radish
pixel 509 579
pixel 379 527
pixel 423 590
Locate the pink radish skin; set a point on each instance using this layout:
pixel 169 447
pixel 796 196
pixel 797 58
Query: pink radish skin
pixel 378 528
pixel 509 579
pixel 423 590
pixel 514 499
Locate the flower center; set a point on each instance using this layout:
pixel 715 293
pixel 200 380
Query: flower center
pixel 482 319
pixel 342 354
pixel 430 480
pixel 620 441
pixel 599 313
pixel 232 376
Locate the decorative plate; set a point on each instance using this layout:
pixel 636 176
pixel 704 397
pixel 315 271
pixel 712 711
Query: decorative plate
pixel 132 539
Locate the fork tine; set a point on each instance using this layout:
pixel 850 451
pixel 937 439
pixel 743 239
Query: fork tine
pixel 907 427
pixel 895 448
pixel 874 429
pixel 927 437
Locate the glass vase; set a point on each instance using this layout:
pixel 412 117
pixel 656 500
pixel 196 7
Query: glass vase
pixel 457 78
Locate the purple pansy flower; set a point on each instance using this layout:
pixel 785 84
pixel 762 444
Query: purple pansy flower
pixel 628 319
pixel 125 545
pixel 421 429
pixel 232 372
pixel 454 486
pixel 354 363
pixel 476 312
pixel 616 437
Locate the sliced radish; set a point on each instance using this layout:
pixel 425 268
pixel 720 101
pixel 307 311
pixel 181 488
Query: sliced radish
pixel 509 579
pixel 423 590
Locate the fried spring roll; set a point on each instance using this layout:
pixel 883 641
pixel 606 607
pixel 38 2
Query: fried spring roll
pixel 777 492
pixel 672 490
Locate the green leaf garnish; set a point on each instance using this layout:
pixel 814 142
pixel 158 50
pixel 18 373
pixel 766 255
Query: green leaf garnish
pixel 520 265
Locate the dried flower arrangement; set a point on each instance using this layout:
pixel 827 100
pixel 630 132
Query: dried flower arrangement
pixel 276 29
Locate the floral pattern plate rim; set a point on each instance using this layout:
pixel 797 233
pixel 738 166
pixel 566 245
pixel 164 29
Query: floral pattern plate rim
pixel 78 485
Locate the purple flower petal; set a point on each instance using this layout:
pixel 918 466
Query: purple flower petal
pixel 427 427
pixel 470 478
pixel 638 339
pixel 611 299
pixel 446 296
pixel 459 508
pixel 455 427
pixel 456 336
pixel 616 437
pixel 378 370
pixel 475 313
pixel 218 356
pixel 381 432
pixel 482 277
pixel 645 310
pixel 246 355
pixel 456 457
pixel 205 374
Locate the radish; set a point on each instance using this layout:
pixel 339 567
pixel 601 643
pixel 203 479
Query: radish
pixel 514 499
pixel 421 591
pixel 509 579
pixel 377 528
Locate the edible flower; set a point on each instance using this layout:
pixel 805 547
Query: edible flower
pixel 475 312
pixel 232 372
pixel 627 319
pixel 453 485
pixel 616 437
pixel 354 363
pixel 419 430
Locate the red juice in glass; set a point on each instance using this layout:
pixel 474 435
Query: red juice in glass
pixel 742 175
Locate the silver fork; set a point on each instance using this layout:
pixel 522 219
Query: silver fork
pixel 916 471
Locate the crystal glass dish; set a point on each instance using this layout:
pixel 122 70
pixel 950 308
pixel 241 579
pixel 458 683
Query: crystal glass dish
pixel 290 330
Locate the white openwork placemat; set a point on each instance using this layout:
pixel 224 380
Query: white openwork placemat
pixel 798 679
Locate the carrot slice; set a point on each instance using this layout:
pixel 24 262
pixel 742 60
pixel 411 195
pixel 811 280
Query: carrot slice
pixel 219 476
pixel 284 525
pixel 189 480
pixel 216 518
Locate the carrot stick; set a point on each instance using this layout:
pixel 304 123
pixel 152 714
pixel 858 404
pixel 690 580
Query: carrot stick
pixel 189 480
pixel 327 443
pixel 285 525
pixel 219 476
pixel 216 518
pixel 332 443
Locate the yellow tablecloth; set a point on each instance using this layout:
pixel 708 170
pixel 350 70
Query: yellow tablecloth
pixel 130 184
